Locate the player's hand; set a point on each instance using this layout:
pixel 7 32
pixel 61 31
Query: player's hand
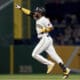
pixel 43 30
pixel 18 7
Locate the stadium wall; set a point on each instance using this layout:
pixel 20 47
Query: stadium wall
pixel 24 63
pixel 6 36
pixel 70 56
pixel 17 60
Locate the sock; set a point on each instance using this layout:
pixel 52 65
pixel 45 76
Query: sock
pixel 62 67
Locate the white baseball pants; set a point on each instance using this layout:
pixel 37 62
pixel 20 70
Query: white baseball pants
pixel 46 44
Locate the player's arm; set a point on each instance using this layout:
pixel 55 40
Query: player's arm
pixel 24 10
pixel 45 29
pixel 48 29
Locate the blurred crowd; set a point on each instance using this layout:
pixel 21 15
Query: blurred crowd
pixel 67 31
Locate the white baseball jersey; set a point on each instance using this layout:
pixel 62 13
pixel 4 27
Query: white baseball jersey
pixel 45 43
pixel 42 23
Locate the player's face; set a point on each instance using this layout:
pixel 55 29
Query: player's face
pixel 36 15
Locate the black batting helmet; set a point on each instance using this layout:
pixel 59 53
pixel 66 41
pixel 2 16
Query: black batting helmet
pixel 40 9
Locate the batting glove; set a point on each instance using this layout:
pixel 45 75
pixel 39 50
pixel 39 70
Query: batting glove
pixel 18 7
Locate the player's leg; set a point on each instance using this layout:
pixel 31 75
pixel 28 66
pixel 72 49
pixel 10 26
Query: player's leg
pixel 51 51
pixel 39 49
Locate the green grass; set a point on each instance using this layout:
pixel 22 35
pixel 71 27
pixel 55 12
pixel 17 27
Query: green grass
pixel 37 77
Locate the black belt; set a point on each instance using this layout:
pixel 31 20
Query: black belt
pixel 46 36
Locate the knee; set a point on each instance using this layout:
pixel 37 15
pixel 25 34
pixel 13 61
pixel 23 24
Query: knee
pixel 61 61
pixel 33 55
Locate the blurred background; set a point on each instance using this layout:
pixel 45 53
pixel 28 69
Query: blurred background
pixel 18 35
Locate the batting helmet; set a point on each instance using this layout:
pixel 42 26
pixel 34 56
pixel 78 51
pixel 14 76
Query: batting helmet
pixel 40 9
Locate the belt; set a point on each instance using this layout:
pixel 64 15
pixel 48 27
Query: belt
pixel 46 36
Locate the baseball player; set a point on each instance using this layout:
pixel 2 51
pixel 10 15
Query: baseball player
pixel 43 27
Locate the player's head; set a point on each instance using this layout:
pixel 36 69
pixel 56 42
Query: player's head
pixel 39 12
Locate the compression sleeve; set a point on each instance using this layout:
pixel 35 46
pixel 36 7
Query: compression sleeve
pixel 27 12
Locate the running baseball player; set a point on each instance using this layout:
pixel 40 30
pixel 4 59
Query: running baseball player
pixel 43 27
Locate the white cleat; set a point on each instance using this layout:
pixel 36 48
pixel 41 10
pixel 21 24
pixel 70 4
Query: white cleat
pixel 50 67
pixel 66 74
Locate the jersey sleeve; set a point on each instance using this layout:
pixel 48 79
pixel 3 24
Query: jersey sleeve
pixel 48 24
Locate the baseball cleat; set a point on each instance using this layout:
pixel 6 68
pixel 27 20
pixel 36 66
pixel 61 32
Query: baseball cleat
pixel 66 73
pixel 50 67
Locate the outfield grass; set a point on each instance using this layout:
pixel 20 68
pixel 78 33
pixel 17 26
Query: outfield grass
pixel 37 77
